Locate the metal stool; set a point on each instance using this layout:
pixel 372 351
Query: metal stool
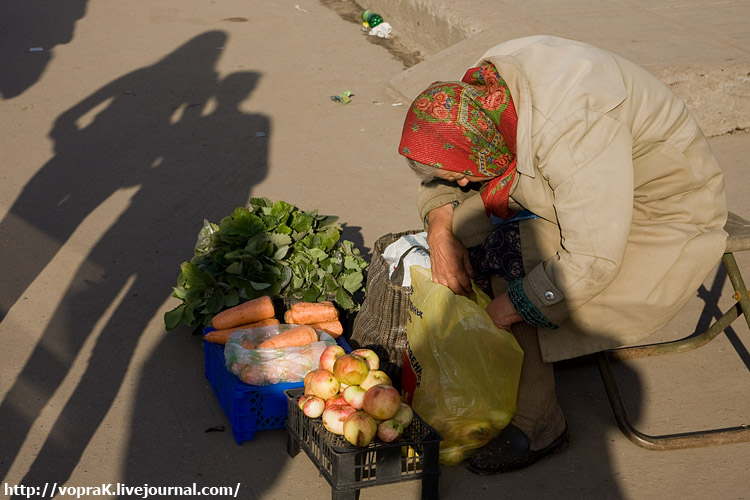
pixel 739 240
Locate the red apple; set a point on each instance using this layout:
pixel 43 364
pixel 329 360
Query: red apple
pixel 390 430
pixel 373 361
pixel 354 395
pixel 382 401
pixel 303 398
pixel 404 416
pixel 314 407
pixel 350 369
pixel 334 416
pixel 323 384
pixel 338 399
pixel 308 377
pixel 253 375
pixel 360 428
pixel 330 355
pixel 375 377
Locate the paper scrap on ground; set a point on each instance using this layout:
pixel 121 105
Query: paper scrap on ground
pixel 382 30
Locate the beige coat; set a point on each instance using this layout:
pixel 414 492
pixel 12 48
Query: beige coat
pixel 630 197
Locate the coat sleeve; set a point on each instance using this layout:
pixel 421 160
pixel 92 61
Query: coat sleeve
pixel 436 193
pixel 590 170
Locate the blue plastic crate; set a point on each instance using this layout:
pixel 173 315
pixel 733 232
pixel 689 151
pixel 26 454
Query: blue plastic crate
pixel 249 408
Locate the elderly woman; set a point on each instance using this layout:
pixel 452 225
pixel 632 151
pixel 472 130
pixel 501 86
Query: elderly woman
pixel 583 194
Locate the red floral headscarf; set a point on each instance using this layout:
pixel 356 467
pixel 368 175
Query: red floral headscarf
pixel 467 127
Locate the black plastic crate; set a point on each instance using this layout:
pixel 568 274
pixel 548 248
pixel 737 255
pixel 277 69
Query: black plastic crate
pixel 349 468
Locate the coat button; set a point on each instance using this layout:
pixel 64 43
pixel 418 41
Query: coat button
pixel 549 295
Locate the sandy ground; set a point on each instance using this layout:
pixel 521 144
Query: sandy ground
pixel 138 120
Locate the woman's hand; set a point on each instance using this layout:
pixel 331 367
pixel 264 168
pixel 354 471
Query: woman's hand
pixel 502 312
pixel 448 256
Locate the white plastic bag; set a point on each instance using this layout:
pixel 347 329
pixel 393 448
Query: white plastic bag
pixel 420 256
pixel 271 366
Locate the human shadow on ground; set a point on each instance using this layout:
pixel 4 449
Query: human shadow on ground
pixel 174 133
pixel 29 30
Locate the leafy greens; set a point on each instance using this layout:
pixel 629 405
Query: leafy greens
pixel 270 248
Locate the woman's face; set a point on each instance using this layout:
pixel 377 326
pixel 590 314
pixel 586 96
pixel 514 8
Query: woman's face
pixel 460 179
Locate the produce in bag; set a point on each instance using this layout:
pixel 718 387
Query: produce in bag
pixel 256 365
pixel 467 369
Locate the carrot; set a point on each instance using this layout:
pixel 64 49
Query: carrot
pixel 307 313
pixel 288 318
pixel 247 312
pixel 222 336
pixel 264 322
pixel 297 336
pixel 332 328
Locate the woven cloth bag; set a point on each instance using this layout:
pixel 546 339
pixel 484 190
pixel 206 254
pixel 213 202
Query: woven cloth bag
pixel 380 324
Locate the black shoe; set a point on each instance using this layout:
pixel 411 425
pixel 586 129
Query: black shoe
pixel 511 450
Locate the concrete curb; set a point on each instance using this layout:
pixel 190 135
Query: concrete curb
pixel 702 50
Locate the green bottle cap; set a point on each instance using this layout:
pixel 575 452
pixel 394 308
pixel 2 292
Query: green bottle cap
pixel 374 20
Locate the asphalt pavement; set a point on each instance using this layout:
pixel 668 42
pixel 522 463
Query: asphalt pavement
pixel 126 124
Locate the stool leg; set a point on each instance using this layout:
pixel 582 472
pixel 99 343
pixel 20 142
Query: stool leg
pixel 735 277
pixel 668 441
pixel 681 345
pixel 741 307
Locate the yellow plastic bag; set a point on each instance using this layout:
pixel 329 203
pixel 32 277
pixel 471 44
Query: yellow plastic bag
pixel 467 369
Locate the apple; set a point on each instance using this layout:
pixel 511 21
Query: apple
pixel 382 402
pixel 373 361
pixel 236 368
pixel 375 377
pixel 360 428
pixel 498 418
pixel 404 415
pixel 303 398
pixel 354 395
pixel 350 369
pixel 334 416
pixel 323 384
pixel 314 407
pixel 329 356
pixel 338 399
pixel 390 430
pixel 452 455
pixel 475 433
pixel 253 374
pixel 308 377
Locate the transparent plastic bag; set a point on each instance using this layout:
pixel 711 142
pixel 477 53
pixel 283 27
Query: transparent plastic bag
pixel 467 368
pixel 203 244
pixel 272 366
